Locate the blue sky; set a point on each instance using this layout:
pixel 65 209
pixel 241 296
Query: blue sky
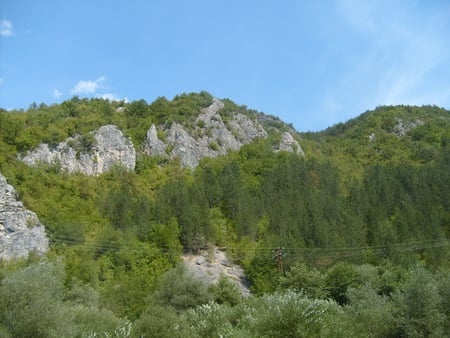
pixel 311 63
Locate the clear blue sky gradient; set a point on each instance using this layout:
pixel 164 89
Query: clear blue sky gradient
pixel 311 63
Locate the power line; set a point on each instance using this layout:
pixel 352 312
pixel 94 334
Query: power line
pixel 344 251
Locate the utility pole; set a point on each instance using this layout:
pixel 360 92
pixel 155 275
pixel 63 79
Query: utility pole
pixel 279 254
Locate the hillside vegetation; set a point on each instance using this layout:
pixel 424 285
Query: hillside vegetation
pixel 351 239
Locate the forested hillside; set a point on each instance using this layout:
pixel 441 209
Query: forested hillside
pixel 349 239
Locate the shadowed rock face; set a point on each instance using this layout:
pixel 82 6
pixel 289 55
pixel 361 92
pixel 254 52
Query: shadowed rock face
pixel 20 229
pixel 109 147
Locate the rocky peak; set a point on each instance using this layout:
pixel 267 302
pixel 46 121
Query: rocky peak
pixel 20 229
pixel 91 154
pixel 211 136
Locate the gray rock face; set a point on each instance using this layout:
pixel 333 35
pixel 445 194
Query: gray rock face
pixel 20 229
pixel 402 127
pixel 288 143
pixel 212 269
pixel 153 145
pixel 109 148
pixel 210 137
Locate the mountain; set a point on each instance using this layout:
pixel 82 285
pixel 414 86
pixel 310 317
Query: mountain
pixel 124 189
pixel 212 131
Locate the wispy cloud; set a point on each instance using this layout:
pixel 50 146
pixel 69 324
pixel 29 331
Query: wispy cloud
pixel 2 80
pixel 111 97
pixel 359 13
pixel 57 94
pixel 6 28
pixel 399 61
pixel 88 87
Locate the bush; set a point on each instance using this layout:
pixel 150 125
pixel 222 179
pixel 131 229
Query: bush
pixel 338 279
pixel 303 278
pixel 31 301
pixel 225 292
pixel 370 314
pixel 417 304
pixel 158 321
pixel 181 289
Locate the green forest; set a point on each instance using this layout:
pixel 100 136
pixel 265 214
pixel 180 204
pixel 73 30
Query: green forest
pixel 350 240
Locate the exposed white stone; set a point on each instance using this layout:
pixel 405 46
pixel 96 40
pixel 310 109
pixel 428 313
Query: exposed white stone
pixel 210 137
pixel 288 143
pixel 153 145
pixel 110 148
pixel 20 229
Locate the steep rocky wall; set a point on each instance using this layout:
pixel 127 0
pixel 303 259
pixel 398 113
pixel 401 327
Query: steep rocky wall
pixel 20 229
pixel 210 137
pixel 110 148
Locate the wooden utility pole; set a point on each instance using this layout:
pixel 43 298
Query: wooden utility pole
pixel 279 254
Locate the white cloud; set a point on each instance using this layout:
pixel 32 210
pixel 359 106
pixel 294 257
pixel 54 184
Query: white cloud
pixel 6 28
pixel 108 96
pixel 111 97
pixel 56 94
pixel 88 87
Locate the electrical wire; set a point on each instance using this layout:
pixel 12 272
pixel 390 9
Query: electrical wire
pixel 342 251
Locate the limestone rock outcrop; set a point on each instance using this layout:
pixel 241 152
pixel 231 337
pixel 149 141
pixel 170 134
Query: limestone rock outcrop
pixel 210 137
pixel 20 229
pixel 288 143
pixel 210 268
pixel 107 147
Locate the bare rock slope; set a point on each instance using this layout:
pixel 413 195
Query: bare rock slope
pixel 108 147
pixel 210 269
pixel 20 229
pixel 211 136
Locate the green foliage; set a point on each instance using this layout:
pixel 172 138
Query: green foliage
pixel 369 200
pixel 304 279
pixel 25 293
pixel 418 306
pixel 167 237
pixel 181 289
pixel 370 314
pixel 338 279
pixel 280 315
pixel 225 292
pixel 159 321
pixel 34 305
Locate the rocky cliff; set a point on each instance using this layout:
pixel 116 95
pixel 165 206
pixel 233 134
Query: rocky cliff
pixel 91 154
pixel 20 229
pixel 210 135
